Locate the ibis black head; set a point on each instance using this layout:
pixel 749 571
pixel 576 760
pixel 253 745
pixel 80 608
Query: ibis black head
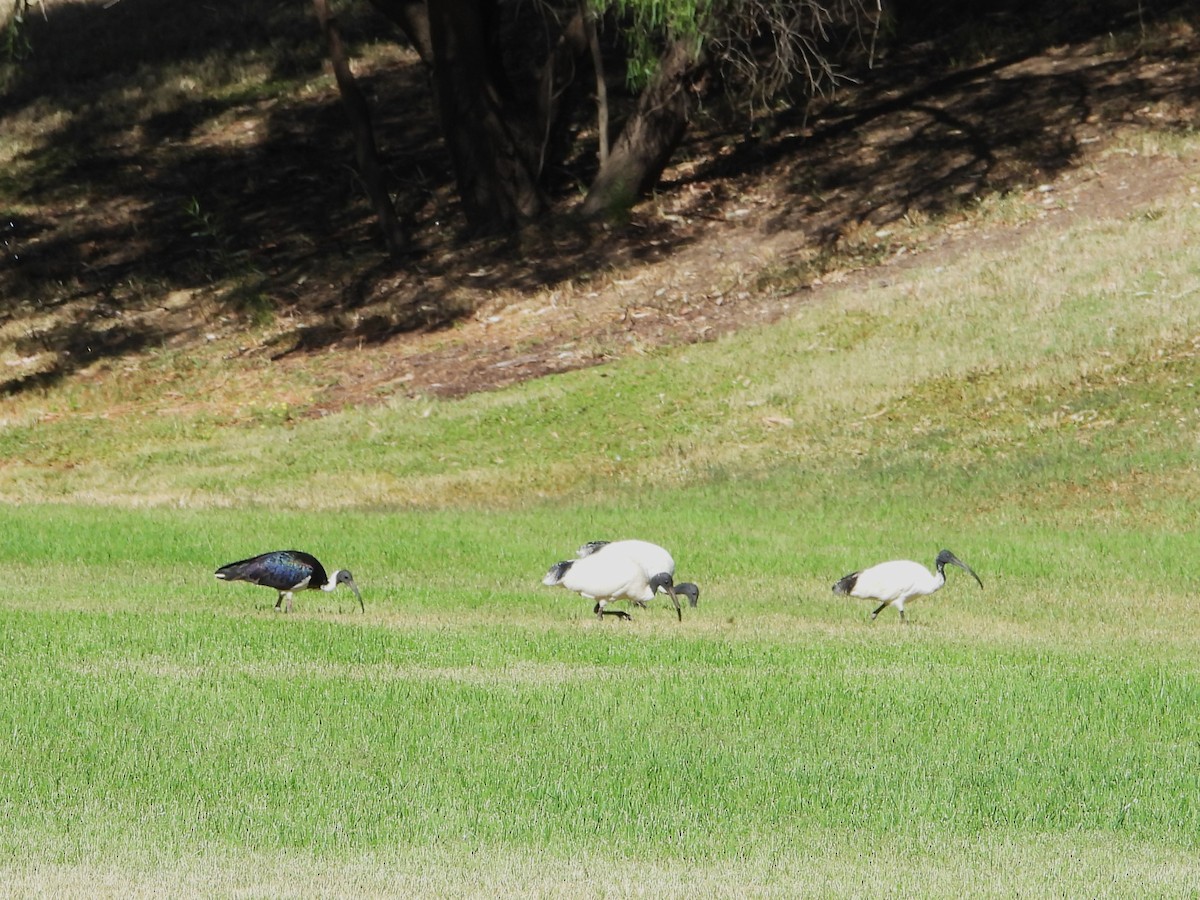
pixel 846 584
pixel 946 557
pixel 662 581
pixel 689 590
pixel 344 577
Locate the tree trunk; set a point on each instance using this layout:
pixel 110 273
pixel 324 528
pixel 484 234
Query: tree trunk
pixel 650 135
pixel 359 115
pixel 412 17
pixel 496 182
pixel 601 82
pixel 559 90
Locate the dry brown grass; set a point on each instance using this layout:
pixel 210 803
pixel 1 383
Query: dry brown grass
pixel 1002 864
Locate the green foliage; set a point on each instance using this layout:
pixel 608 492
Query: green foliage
pixel 213 240
pixel 649 24
pixel 763 48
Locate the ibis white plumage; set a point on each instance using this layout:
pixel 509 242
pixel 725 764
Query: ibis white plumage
pixel 896 582
pixel 653 559
pixel 287 571
pixel 632 570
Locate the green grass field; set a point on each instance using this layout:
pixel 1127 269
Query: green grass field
pixel 478 734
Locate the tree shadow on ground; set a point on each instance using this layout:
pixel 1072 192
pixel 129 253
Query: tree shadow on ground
pixel 933 135
pixel 144 185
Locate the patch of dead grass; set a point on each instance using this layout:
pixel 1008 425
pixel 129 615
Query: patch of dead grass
pixel 1003 863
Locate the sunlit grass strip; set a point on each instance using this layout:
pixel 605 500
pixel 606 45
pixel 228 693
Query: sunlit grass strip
pixel 1083 339
pixel 1000 864
pixel 242 759
pixel 200 732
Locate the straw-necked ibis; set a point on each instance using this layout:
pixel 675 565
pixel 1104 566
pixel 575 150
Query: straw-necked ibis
pixel 898 581
pixel 287 571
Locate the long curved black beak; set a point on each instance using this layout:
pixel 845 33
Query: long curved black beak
pixel 354 587
pixel 675 600
pixel 955 561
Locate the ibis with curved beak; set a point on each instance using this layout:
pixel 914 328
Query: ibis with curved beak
pixel 606 571
pixel 287 571
pixel 899 581
pixel 656 562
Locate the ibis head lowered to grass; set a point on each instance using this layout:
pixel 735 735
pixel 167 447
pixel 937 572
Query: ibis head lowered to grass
pixel 287 571
pixel 653 559
pixel 899 581
pixel 632 570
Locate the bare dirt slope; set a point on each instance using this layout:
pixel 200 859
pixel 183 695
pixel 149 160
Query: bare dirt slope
pixel 199 224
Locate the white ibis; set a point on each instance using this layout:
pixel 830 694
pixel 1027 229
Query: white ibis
pixel 622 570
pixel 898 581
pixel 287 571
pixel 653 559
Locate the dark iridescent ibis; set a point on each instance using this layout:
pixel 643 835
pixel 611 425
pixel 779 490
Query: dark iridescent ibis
pixel 898 581
pixel 287 571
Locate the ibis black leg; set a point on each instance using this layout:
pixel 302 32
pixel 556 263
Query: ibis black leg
pixel 880 608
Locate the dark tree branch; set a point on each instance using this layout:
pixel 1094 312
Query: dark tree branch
pixel 558 77
pixel 359 115
pixel 601 84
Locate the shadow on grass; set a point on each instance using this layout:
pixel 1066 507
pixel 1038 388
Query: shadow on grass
pixel 192 147
pixel 927 134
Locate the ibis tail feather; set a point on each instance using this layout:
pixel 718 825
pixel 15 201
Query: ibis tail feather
pixel 591 547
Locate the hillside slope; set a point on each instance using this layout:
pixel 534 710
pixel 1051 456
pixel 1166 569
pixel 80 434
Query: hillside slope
pixel 115 307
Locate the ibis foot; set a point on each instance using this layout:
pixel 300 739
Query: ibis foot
pixel 619 613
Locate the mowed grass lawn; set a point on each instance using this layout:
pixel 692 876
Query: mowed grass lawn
pixel 475 733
